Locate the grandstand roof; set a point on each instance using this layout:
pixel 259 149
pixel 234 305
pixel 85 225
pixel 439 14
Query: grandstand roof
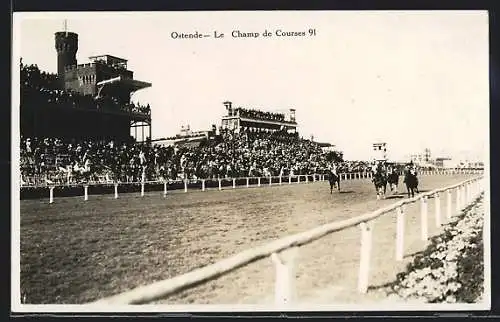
pixel 108 58
pixel 131 84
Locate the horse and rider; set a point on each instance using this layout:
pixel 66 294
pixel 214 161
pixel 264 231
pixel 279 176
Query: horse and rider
pixel 411 179
pixel 333 177
pixel 393 178
pixel 379 178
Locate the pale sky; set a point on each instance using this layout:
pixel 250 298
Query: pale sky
pixel 412 79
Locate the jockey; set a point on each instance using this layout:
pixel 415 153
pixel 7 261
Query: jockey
pixel 333 168
pixel 374 166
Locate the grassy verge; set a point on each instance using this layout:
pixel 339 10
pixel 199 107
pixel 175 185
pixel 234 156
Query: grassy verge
pixel 451 269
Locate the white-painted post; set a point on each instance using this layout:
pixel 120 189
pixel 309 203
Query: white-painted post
pixel 220 184
pixel 437 213
pixel 185 185
pixel 423 219
pixel 248 182
pixel 289 179
pixel 365 254
pixel 459 201
pixel 51 195
pixel 86 192
pixel 270 180
pixel 400 233
pixel 234 183
pixel 164 188
pixel 116 190
pixel 258 182
pixel 202 184
pixel 314 177
pixel 285 289
pixel 448 206
pixel 466 194
pixel 281 181
pixel 143 178
pixel 307 178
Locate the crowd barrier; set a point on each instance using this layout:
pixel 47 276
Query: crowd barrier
pixel 285 294
pixel 203 184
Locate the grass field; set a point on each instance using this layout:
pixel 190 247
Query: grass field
pixel 74 251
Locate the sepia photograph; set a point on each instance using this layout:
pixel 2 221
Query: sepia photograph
pixel 250 161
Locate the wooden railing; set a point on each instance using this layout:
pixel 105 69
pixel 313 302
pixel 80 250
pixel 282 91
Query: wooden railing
pixel 236 182
pixel 465 191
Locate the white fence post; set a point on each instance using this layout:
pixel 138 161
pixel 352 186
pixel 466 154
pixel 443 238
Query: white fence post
pixel 437 205
pixel 270 180
pixel 400 233
pixel 202 184
pixel 143 178
pixel 164 188
pixel 185 185
pixel 423 218
pixel 258 182
pixel 285 277
pixel 449 206
pixel 314 177
pixel 465 192
pixel 289 179
pixel 234 183
pixel 248 182
pixel 365 254
pixel 281 181
pixel 307 178
pixel 86 192
pixel 51 195
pixel 116 190
pixel 220 184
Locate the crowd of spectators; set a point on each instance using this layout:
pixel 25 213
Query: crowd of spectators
pixel 40 88
pixel 249 153
pixel 261 115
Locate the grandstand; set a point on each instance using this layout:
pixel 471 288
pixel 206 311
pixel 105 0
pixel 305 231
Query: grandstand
pixel 241 118
pixel 83 101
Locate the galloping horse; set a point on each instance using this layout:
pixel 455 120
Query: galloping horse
pixel 411 182
pixel 380 181
pixel 333 178
pixel 393 180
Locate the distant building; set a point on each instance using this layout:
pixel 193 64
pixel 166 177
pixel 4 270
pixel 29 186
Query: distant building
pixel 328 147
pixel 379 152
pixel 186 137
pixel 445 162
pixel 422 158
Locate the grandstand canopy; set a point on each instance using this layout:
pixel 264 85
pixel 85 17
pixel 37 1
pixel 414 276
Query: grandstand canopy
pixel 109 60
pixel 131 85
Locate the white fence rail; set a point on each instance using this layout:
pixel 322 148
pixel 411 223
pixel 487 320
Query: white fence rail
pixel 466 192
pixel 236 182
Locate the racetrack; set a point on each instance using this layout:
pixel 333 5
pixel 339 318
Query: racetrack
pixel 74 251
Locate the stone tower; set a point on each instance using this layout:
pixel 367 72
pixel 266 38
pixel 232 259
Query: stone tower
pixel 66 46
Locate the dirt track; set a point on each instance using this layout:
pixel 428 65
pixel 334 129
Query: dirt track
pixel 74 251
